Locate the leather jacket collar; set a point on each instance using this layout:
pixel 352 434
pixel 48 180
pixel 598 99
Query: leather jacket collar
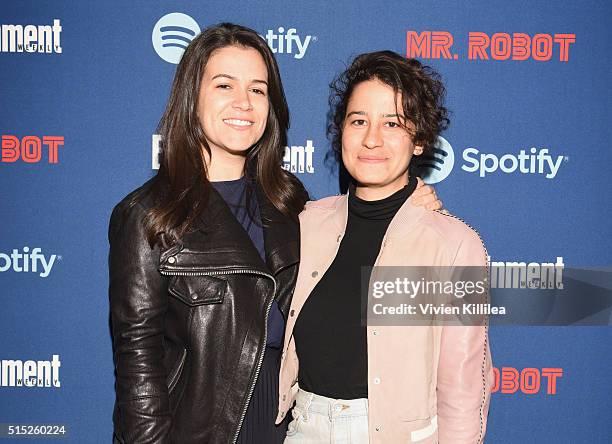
pixel 225 241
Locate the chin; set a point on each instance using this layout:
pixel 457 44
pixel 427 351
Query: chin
pixel 372 180
pixel 238 147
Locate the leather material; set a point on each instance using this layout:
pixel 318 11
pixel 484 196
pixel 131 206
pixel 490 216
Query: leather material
pixel 189 321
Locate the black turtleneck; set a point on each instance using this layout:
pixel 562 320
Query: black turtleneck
pixel 329 335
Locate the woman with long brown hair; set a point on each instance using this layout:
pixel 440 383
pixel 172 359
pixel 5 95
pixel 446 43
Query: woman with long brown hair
pixel 204 256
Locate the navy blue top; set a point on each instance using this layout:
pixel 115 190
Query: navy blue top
pixel 234 194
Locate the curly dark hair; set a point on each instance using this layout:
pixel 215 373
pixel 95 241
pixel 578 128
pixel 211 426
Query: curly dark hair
pixel 420 86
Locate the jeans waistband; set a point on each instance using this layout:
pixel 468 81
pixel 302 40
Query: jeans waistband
pixel 333 408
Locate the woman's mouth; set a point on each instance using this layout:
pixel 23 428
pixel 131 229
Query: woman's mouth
pixel 238 123
pixel 371 159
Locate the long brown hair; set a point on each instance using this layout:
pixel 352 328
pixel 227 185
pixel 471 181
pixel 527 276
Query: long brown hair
pixel 181 186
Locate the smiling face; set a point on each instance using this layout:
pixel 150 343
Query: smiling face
pixel 376 148
pixel 233 102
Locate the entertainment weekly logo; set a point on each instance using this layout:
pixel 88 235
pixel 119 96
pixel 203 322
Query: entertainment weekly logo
pixel 19 373
pixel 30 149
pixel 498 46
pixel 173 32
pixel 31 38
pixel 538 161
pixel 529 381
pixel 297 158
pixel 523 274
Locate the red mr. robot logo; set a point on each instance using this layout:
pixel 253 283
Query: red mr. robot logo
pixel 498 46
pixel 530 381
pixel 30 148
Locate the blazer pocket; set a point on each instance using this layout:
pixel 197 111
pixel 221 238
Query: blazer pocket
pixel 423 430
pixel 198 290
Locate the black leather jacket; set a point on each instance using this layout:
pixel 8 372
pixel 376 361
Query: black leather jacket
pixel 189 322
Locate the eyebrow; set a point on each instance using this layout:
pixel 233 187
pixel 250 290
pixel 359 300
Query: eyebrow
pixel 360 113
pixel 234 78
pixel 363 113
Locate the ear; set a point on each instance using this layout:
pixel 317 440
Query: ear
pixel 418 150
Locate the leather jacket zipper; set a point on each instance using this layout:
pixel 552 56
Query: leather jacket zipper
pixel 268 307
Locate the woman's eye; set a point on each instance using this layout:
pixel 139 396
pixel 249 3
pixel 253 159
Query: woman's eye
pixel 359 122
pixel 393 124
pixel 223 86
pixel 259 91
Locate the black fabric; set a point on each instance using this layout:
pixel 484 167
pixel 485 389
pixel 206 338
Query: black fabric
pixel 330 339
pixel 258 426
pixel 188 319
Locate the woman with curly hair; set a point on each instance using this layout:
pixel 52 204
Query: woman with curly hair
pixel 360 383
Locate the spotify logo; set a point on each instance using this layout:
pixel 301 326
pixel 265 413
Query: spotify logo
pixel 437 164
pixel 171 35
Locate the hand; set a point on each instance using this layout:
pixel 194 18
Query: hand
pixel 425 196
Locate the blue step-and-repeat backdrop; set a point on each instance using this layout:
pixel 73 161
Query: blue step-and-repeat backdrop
pixel 84 83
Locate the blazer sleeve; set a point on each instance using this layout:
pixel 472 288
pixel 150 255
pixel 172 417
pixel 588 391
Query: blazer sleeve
pixel 138 303
pixel 465 373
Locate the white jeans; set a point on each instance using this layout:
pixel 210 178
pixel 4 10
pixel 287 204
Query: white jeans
pixel 321 420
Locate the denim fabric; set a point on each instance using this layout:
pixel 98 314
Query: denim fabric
pixel 318 419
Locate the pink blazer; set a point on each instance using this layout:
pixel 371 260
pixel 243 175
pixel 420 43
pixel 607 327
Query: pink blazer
pixel 425 384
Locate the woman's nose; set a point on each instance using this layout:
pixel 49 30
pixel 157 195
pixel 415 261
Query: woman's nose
pixel 242 100
pixel 372 137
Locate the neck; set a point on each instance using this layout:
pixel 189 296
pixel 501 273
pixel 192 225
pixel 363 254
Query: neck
pixel 222 166
pixel 368 192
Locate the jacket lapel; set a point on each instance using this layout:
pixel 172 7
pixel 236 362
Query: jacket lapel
pixel 219 241
pixel 281 236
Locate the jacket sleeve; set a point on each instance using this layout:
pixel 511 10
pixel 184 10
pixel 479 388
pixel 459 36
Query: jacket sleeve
pixel 465 373
pixel 138 303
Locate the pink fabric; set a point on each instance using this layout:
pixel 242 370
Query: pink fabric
pixel 425 384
